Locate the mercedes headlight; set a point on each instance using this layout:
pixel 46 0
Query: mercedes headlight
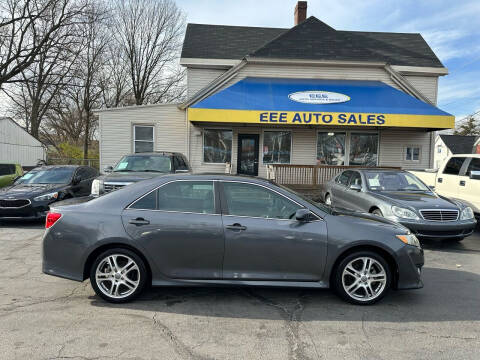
pixel 467 214
pixel 46 197
pixel 404 213
pixel 409 239
pixel 97 186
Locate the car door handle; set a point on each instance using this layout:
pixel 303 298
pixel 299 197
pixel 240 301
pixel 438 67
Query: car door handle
pixel 139 221
pixel 462 182
pixel 236 226
pixel 440 180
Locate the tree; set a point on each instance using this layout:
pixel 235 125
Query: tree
pixel 26 27
pixel 470 126
pixel 149 34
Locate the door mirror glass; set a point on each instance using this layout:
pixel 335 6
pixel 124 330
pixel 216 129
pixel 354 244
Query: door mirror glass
pixel 475 175
pixel 108 169
pixel 303 215
pixel 356 187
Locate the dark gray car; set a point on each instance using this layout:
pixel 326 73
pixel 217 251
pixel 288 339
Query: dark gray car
pixel 226 230
pixel 402 197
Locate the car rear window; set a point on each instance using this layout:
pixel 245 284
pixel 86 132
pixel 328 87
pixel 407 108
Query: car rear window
pixel 454 165
pixel 7 169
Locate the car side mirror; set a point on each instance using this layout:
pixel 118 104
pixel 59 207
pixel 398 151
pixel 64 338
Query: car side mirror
pixel 475 175
pixel 76 180
pixel 431 187
pixel 356 187
pixel 108 169
pixel 302 215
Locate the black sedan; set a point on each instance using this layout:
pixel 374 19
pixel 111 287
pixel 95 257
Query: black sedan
pixel 187 230
pixel 31 195
pixel 401 196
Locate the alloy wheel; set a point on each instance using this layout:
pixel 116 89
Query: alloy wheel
pixel 364 279
pixel 117 276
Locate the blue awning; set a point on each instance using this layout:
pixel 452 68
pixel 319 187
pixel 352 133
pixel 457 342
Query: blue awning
pixel 318 102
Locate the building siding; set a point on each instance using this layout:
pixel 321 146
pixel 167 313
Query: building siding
pixel 198 78
pixel 427 85
pixel 392 148
pixel 116 130
pixel 18 146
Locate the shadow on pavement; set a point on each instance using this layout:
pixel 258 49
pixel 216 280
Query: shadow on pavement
pixel 23 224
pixel 448 295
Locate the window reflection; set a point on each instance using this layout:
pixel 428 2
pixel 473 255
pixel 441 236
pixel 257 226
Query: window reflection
pixel 363 149
pixel 331 148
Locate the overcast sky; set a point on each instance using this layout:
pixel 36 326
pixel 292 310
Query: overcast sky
pixel 451 28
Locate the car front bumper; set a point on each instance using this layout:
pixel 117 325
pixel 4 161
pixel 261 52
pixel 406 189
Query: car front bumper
pixel 432 229
pixel 33 211
pixel 410 262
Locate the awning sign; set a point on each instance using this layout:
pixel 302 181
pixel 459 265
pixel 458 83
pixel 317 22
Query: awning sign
pixel 318 102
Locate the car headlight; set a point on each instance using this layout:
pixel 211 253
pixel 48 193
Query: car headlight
pixel 46 197
pixel 409 239
pixel 467 214
pixel 97 186
pixel 404 213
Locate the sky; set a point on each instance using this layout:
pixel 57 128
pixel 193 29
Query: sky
pixel 451 28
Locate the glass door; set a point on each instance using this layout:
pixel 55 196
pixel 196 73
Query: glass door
pixel 247 157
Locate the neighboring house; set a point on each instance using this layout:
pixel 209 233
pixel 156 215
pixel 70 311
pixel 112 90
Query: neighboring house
pixel 18 146
pixel 447 145
pixel 306 95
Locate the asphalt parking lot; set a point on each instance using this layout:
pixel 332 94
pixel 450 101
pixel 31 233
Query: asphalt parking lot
pixel 42 317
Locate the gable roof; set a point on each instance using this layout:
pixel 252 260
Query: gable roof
pixel 312 40
pixel 459 144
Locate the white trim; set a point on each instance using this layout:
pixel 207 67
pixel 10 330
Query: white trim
pixel 421 70
pixel 209 63
pixel 134 107
pixel 273 61
pixel 203 147
pixel 412 146
pixel 263 144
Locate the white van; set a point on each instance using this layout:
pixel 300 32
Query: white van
pixel 458 178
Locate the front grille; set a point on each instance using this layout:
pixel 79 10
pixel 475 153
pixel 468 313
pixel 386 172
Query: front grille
pixel 17 203
pixel 107 187
pixel 439 215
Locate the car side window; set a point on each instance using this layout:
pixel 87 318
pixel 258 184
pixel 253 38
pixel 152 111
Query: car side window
pixel 179 163
pixel 90 172
pixel 187 196
pixel 7 169
pixel 474 166
pixel 344 177
pixel 81 173
pixel 148 202
pixel 454 165
pixel 256 201
pixel 356 179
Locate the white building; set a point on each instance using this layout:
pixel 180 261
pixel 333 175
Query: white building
pixel 18 146
pixel 309 95
pixel 447 145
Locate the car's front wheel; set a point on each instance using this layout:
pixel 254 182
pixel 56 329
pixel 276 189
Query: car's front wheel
pixel 362 278
pixel 118 275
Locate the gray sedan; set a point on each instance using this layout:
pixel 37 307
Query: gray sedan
pixel 187 230
pixel 400 196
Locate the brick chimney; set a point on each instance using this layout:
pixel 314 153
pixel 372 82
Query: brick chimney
pixel 300 12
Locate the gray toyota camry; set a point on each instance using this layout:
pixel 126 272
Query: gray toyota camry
pixel 401 196
pixel 226 230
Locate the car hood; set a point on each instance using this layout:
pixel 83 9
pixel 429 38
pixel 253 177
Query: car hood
pixel 129 177
pixel 416 200
pixel 26 191
pixel 361 218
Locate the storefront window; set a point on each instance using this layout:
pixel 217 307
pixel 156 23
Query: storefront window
pixel 277 147
pixel 331 148
pixel 217 146
pixel 363 149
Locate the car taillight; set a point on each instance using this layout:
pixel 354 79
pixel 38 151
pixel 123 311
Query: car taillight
pixel 52 218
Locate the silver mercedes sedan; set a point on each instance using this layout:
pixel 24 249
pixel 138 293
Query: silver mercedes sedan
pixel 402 197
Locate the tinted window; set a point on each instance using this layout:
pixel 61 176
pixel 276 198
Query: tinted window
pixel 343 178
pixel 454 165
pixel 257 201
pixel 50 176
pixel 180 163
pixel 7 169
pixel 474 166
pixel 148 202
pixel 187 196
pixel 148 163
pixel 82 173
pixel 356 179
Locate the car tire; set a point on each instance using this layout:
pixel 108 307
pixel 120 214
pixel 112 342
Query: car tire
pixel 377 212
pixel 368 288
pixel 118 275
pixel 328 200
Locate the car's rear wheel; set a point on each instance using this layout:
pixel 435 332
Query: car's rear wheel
pixel 328 200
pixel 362 278
pixel 118 275
pixel 377 212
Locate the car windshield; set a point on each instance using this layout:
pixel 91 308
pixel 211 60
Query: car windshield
pixel 139 163
pixel 47 176
pixel 394 181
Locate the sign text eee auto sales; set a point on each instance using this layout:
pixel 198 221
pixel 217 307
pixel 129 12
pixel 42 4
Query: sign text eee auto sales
pixel 321 118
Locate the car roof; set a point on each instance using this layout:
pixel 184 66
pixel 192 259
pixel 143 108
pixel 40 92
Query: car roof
pixel 158 153
pixel 217 176
pixel 52 167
